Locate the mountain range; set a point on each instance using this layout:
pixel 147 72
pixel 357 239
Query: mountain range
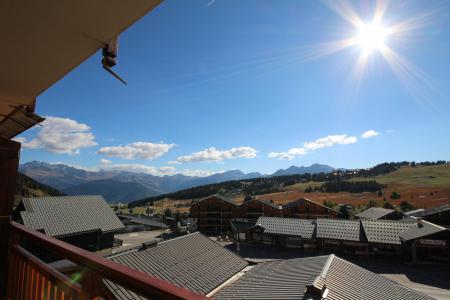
pixel 125 186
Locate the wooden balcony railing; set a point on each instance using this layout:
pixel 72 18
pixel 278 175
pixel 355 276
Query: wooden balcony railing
pixel 31 278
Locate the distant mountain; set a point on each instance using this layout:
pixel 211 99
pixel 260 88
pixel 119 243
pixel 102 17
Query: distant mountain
pixel 119 185
pixel 112 190
pixel 313 169
pixel 126 186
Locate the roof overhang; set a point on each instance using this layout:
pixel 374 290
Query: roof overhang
pixel 44 40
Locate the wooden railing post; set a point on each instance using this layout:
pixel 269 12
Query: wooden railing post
pixel 92 285
pixel 9 163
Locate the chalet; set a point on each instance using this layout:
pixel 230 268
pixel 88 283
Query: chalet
pixel 379 213
pixel 308 209
pixel 84 221
pixel 213 214
pixel 361 237
pixel 255 208
pixel 438 215
pixel 286 232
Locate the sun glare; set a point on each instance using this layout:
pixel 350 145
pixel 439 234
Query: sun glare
pixel 371 37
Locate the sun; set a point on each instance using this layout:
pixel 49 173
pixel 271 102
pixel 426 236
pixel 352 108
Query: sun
pixel 371 37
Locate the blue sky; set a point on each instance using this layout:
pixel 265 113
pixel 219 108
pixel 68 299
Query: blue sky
pixel 261 83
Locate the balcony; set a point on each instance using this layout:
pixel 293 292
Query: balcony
pixel 31 278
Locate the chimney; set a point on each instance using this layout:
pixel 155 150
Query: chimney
pixel 419 222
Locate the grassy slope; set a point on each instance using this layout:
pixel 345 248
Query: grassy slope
pixel 423 186
pixel 420 176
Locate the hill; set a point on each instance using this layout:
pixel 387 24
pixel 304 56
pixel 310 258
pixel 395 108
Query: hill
pixel 112 190
pixel 28 187
pixel 422 185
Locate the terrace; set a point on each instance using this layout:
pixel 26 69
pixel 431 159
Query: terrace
pixel 36 57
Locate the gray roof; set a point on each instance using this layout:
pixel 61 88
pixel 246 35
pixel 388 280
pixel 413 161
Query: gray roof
pixel 413 212
pixel 282 279
pixel 433 211
pixel 287 226
pixel 345 230
pixel 385 231
pixel 374 213
pixel 144 220
pixel 194 262
pixel 421 230
pixel 305 278
pixel 65 215
pixel 242 226
pixel 345 280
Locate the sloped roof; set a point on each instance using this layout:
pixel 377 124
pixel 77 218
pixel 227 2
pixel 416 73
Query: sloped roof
pixel 287 226
pixel 345 280
pixel 265 202
pixel 413 212
pixel 374 213
pixel 144 220
pixel 223 198
pixel 242 226
pixel 306 278
pixel 433 211
pixel 293 203
pixel 345 230
pixel 421 230
pixel 385 231
pixel 59 216
pixel 283 279
pixel 194 262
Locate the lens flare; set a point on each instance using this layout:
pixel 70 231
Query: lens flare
pixel 371 37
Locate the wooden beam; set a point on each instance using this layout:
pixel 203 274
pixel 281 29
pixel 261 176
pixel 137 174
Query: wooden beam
pixel 9 163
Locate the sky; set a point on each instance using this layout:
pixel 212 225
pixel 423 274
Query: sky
pixel 257 85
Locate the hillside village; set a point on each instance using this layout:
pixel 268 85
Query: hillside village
pixel 124 230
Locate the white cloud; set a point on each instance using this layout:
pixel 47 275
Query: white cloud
pixel 105 161
pixel 61 135
pixel 142 150
pixel 325 142
pixel 156 171
pixel 214 155
pixel 281 155
pixel 198 172
pixel 330 141
pixel 139 168
pixel 389 131
pixel 369 134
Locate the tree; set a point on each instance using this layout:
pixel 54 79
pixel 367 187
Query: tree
pixel 343 211
pixel 395 195
pixel 413 164
pixel 406 206
pixel 372 203
pixel 329 203
pixel 308 190
pixel 387 205
pixel 380 193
